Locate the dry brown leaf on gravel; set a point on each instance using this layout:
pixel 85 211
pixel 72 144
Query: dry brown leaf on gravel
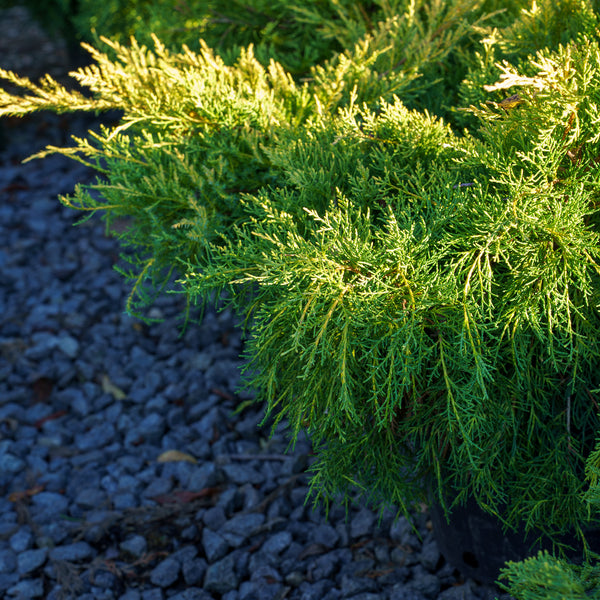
pixel 108 387
pixel 174 456
pixel 186 496
pixel 21 495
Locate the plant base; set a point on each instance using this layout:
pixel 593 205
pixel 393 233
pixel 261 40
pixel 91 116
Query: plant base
pixel 474 542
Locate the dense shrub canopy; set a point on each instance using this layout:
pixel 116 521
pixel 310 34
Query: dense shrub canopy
pixel 402 199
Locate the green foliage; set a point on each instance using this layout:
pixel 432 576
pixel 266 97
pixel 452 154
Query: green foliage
pixel 541 25
pixel 298 36
pixel 182 155
pixel 545 577
pixel 547 25
pixel 276 27
pixel 422 299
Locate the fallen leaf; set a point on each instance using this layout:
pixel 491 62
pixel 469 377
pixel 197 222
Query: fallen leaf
pixel 312 550
pixel 377 574
pixel 16 496
pixel 108 387
pixel 185 496
pixel 55 415
pixel 14 187
pixel 174 456
pixel 42 388
pixel 222 394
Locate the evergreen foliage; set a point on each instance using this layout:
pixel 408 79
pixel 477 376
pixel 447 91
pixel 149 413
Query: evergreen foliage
pixel 416 255
pixel 544 576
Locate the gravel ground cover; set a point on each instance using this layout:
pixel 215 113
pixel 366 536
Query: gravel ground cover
pixel 123 471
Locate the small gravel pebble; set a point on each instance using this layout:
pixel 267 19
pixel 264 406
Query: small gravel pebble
pixel 192 594
pixel 135 545
pixel 72 552
pixel 21 540
pixel 50 503
pixel 30 560
pixel 194 571
pixel 8 561
pixel 165 573
pixel 26 588
pixel 220 577
pixel 215 546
